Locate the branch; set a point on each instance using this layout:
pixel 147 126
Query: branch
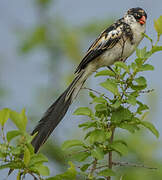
pixel 132 165
pixel 96 92
pixel 93 167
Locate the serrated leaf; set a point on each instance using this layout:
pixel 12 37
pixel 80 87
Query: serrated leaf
pixel 71 143
pixel 83 111
pixel 12 134
pixel 105 73
pixel 4 116
pixel 151 127
pixel 26 156
pixel 97 153
pixel 97 136
pixel 110 86
pixel 146 67
pixel 106 172
pixel 122 65
pixel 158 25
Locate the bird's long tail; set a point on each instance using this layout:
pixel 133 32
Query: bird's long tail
pixel 57 111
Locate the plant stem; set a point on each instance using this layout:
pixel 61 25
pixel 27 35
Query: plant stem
pixel 110 162
pixel 93 167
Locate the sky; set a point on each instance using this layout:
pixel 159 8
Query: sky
pixel 23 74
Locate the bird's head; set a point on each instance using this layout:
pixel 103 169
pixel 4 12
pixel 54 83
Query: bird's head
pixel 136 14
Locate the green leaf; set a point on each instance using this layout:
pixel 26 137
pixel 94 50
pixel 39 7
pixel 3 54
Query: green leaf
pixel 134 66
pixel 12 134
pixel 85 167
pixel 142 107
pixel 129 127
pixel 158 26
pixel 119 147
pixel 105 73
pixel 141 81
pixel 70 174
pixel 101 107
pixel 80 156
pixel 116 104
pixel 4 116
pixel 110 86
pixel 37 159
pixel 140 53
pixel 12 165
pixel 88 124
pixel 43 170
pixel 132 100
pixel 121 114
pixel 71 143
pixel 122 65
pixel 99 100
pixel 106 172
pixel 26 156
pixel 97 136
pixel 156 49
pixel 97 153
pixel 146 67
pixel 92 95
pixel 19 119
pixel 151 127
pixel 83 111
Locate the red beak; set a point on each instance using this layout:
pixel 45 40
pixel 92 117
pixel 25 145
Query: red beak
pixel 142 20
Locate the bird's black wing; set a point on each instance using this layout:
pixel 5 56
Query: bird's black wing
pixel 105 41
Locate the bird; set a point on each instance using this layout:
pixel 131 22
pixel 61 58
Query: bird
pixel 116 43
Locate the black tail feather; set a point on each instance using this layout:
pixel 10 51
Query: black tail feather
pixel 54 114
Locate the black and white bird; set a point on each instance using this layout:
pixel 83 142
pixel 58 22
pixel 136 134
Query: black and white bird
pixel 116 43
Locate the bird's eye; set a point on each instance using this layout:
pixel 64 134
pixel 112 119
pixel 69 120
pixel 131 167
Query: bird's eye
pixel 139 16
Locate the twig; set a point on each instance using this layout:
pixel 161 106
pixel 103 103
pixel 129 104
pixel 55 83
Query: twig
pixel 146 91
pixel 96 92
pixel 132 165
pixel 93 167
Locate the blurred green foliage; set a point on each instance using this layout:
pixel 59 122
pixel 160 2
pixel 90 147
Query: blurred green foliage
pixel 61 41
